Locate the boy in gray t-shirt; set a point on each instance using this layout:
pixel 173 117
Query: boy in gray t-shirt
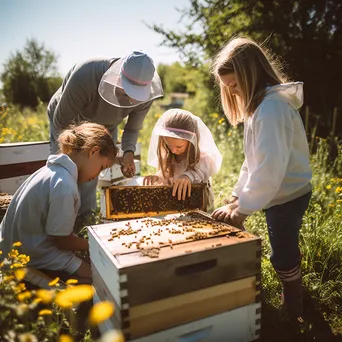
pixel 43 210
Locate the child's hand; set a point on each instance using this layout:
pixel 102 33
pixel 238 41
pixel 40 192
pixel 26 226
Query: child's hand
pixel 231 200
pixel 223 213
pixel 150 180
pixel 182 187
pixel 238 219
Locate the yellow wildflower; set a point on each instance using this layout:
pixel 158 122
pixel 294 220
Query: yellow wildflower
pixel 19 288
pixel 13 253
pixel 100 312
pixel 0 252
pixel 16 265
pixel 338 189
pixel 24 259
pixel 21 309
pixel 54 282
pixel 45 312
pixel 46 296
pixel 72 281
pixel 37 300
pixel 20 273
pixel 8 278
pixel 24 295
pixel 17 244
pixel 74 295
pixel 27 337
pixel 65 338
pixel 339 201
pixel 112 336
pixel 331 205
pixel 328 187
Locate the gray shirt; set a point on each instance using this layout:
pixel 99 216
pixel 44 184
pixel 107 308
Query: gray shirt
pixel 78 100
pixel 45 205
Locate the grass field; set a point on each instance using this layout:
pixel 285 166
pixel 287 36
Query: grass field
pixel 320 239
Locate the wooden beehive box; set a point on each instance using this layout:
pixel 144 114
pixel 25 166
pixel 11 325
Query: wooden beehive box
pixel 241 324
pixel 123 202
pixel 166 271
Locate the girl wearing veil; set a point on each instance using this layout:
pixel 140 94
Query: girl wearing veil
pixel 183 151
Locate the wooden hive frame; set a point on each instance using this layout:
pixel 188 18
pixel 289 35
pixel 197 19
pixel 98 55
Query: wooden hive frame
pixel 127 202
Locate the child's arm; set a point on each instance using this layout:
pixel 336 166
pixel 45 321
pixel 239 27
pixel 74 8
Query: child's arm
pixel 243 176
pixel 61 219
pixel 202 171
pixel 71 243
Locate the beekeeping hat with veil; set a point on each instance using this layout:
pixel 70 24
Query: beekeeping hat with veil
pixel 130 81
pixel 204 137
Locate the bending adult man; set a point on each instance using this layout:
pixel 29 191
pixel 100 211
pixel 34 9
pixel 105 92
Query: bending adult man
pixel 106 91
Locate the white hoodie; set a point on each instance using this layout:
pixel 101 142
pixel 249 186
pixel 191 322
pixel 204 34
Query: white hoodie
pixel 276 169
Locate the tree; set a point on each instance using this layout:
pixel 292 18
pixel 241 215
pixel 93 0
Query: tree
pixel 178 78
pixel 306 33
pixel 30 76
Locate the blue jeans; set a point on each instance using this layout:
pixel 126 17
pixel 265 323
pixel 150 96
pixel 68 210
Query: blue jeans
pixel 284 222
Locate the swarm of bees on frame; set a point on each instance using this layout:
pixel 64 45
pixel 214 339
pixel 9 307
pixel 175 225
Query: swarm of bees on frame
pixel 152 199
pixel 185 223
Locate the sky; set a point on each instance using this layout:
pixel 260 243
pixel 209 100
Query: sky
pixel 76 30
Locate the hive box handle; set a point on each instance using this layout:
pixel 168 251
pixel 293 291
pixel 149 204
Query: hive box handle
pixel 196 268
pixel 196 336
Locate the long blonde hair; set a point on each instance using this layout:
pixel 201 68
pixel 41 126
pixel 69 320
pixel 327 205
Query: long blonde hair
pixel 86 135
pixel 181 120
pixel 254 69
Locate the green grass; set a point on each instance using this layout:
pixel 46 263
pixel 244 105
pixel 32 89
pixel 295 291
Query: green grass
pixel 321 235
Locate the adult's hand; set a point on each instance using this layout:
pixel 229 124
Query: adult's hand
pixel 128 167
pixel 150 180
pixel 118 160
pixel 182 187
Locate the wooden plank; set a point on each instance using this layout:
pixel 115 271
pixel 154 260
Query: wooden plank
pixel 105 293
pixel 194 271
pixel 241 324
pixel 123 238
pixel 164 314
pixel 15 153
pixel 177 310
pixel 20 169
pixel 104 264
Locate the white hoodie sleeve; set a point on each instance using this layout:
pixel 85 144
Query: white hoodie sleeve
pixel 203 170
pixel 243 176
pixel 273 135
